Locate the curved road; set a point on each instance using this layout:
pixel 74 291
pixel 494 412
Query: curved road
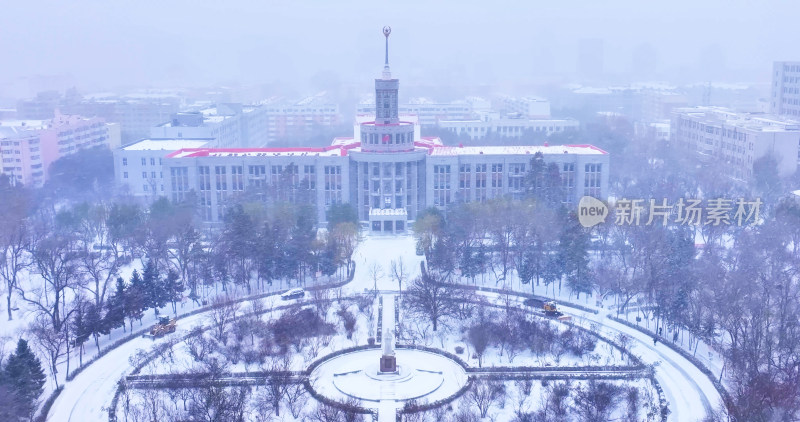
pixel 689 392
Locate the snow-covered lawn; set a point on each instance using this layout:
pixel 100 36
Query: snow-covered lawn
pixel 687 389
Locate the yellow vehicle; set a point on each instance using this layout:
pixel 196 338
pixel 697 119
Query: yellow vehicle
pixel 549 308
pixel 164 326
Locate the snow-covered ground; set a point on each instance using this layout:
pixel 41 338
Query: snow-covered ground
pixel 689 392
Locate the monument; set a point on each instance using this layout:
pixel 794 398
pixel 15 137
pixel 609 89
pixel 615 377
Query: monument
pixel 388 359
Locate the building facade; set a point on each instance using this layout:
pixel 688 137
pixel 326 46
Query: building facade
pixel 736 140
pixel 386 171
pixel 300 119
pixel 28 147
pixel 785 99
pixel 494 125
pixel 139 167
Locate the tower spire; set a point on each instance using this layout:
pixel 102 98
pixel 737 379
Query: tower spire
pixel 387 74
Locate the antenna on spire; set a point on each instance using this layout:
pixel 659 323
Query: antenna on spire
pixel 387 74
pixel 386 31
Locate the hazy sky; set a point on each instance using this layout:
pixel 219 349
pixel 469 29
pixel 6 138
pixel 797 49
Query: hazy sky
pixel 100 45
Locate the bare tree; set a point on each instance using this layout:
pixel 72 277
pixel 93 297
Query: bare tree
pixel 486 393
pixel 50 342
pixel 222 314
pixel 99 259
pixel 399 272
pixel 479 336
pixel 322 301
pixel 596 401
pixel 296 398
pixel 346 237
pixel 429 300
pixel 346 411
pixel 278 382
pixel 375 273
pixel 14 241
pixel 55 258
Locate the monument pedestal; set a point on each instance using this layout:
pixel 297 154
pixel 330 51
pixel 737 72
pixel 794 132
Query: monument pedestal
pixel 388 364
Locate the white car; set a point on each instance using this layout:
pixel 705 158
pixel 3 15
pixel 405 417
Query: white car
pixel 295 293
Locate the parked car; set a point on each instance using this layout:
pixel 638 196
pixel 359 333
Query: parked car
pixel 296 293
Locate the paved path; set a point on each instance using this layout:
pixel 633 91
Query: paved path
pixel 387 409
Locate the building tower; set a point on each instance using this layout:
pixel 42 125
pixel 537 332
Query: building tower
pixel 388 171
pixel 387 133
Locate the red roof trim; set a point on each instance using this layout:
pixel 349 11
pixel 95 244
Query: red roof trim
pixel 587 146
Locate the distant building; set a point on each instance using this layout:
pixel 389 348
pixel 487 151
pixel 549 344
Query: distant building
pixel 785 99
pixel 430 112
pixel 386 171
pixel 42 107
pixel 28 147
pixel 657 104
pixel 475 117
pixel 136 113
pixel 286 120
pixel 658 131
pixel 225 129
pixel 527 107
pixel 736 140
pixel 494 124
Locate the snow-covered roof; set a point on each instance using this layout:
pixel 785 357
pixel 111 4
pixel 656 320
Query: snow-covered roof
pixel 167 144
pixel 755 121
pixel 518 150
pixel 331 151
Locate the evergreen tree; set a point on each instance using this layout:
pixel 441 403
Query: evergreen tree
pixel 155 295
pixel 135 297
pixel 173 287
pixel 573 251
pixel 341 213
pixel 8 402
pixel 96 324
pixel 543 183
pixel 115 307
pixel 239 240
pixel 24 378
pixel 79 329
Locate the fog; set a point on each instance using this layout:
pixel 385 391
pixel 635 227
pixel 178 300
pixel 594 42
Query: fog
pixel 97 45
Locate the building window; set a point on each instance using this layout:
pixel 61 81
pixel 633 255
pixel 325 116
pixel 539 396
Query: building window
pixel 144 161
pixel 144 175
pixel 464 181
pixel 441 185
pixel 516 179
pixel 204 185
pixel 152 161
pixel 124 161
pixel 497 180
pixel 309 177
pixel 179 177
pixel 257 175
pixel 221 178
pixel 333 185
pixel 125 175
pixel 152 175
pixel 568 181
pixel 237 178
pixel 480 182
pixel 591 180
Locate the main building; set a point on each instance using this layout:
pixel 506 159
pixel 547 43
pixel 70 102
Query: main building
pixel 387 171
